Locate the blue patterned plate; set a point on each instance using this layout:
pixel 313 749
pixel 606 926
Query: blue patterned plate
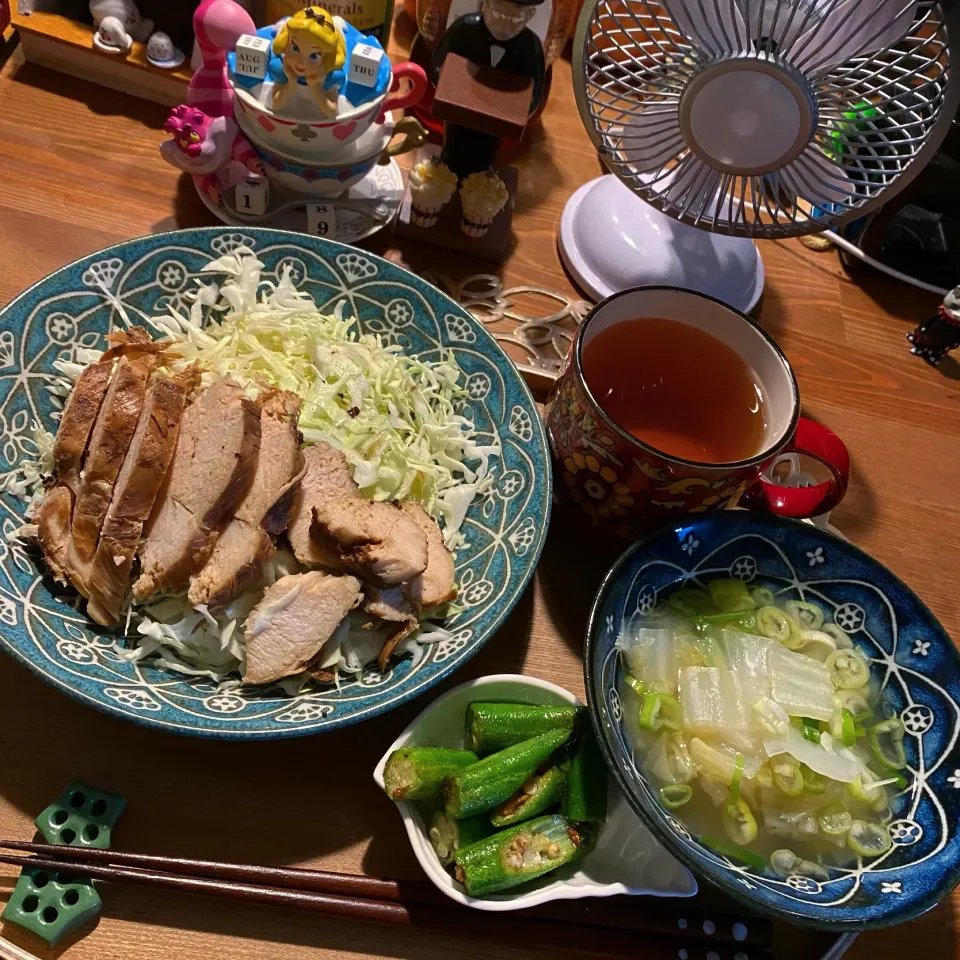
pixel 913 658
pixel 77 305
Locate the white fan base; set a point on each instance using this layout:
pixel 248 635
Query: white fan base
pixel 610 239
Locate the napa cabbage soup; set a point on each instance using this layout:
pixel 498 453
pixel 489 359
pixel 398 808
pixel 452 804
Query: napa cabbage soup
pixel 756 720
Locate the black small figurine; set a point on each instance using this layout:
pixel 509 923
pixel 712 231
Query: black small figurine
pixel 497 36
pixel 934 338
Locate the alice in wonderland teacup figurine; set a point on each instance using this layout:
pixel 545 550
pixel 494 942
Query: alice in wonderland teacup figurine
pixel 312 52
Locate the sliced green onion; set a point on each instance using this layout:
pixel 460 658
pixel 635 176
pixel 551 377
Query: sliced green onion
pixel 813 782
pixel 762 597
pixel 734 852
pixel 901 782
pixel 675 795
pixel 745 619
pixel 867 839
pixel 774 623
pixel 840 636
pixel 843 729
pixel 730 595
pixel 734 796
pixel 783 862
pixel 867 793
pixel 739 822
pixel 817 644
pixel 808 615
pixel 848 670
pixel 811 730
pixel 691 602
pixel 787 777
pixel 856 703
pixel 834 821
pixel 886 743
pixel 637 686
pixel 661 711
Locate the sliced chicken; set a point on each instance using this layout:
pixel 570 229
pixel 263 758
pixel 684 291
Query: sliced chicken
pixel 79 416
pixel 245 544
pixel 317 484
pixel 108 445
pixel 436 584
pixel 148 459
pixel 376 541
pixel 213 465
pixel 53 530
pixel 297 615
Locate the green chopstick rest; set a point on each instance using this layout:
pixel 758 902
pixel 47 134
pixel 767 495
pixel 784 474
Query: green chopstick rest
pixel 52 905
pixel 81 817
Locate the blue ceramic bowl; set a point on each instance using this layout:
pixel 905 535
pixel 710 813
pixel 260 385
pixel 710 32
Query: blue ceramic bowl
pixel 134 281
pixel 912 656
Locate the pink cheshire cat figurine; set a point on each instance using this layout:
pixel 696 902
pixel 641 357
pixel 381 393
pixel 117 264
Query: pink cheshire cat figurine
pixel 205 140
pixel 211 149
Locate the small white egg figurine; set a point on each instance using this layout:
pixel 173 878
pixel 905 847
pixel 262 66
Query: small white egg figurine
pixel 111 36
pixel 162 53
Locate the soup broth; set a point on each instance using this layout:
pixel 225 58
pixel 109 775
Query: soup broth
pixel 755 720
pixel 677 388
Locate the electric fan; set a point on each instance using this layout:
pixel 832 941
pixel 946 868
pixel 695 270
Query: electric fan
pixel 763 118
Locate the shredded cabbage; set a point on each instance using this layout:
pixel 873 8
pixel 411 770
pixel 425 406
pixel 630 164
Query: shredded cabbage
pixel 393 416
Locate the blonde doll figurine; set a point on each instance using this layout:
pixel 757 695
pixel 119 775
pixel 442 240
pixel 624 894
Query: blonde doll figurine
pixel 313 53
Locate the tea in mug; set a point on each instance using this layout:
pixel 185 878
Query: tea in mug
pixel 676 388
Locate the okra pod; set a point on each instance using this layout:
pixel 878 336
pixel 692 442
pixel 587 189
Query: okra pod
pixel 491 781
pixel 521 853
pixel 536 794
pixel 586 797
pixel 448 836
pixel 495 726
pixel 417 773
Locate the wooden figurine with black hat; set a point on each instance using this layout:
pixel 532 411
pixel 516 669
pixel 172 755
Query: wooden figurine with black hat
pixel 488 70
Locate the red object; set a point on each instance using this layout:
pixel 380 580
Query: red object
pixel 418 86
pixel 626 487
pixel 4 15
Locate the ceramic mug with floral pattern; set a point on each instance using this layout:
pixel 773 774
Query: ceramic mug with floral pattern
pixel 627 486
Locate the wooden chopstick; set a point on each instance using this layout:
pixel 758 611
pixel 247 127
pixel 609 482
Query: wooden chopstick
pixel 445 916
pixel 615 912
pixel 10 951
pixel 295 878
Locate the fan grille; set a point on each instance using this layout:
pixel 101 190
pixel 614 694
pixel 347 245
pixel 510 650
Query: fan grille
pixel 633 62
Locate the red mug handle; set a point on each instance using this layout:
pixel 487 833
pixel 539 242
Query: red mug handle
pixel 418 87
pixel 814 440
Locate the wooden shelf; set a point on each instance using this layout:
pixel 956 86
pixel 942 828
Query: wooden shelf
pixel 63 44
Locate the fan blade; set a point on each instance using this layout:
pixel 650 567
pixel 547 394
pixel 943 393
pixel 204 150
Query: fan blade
pixel 782 22
pixel 694 188
pixel 853 28
pixel 814 177
pixel 714 26
pixel 648 139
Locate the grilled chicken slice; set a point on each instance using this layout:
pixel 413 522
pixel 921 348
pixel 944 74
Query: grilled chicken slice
pixel 297 615
pixel 79 416
pixel 436 584
pixel 317 483
pixel 53 530
pixel 112 432
pixel 245 543
pixel 135 492
pixel 376 541
pixel 213 465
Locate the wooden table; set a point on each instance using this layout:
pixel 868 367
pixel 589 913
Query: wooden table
pixel 79 170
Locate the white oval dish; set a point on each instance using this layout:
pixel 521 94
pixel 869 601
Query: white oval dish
pixel 627 859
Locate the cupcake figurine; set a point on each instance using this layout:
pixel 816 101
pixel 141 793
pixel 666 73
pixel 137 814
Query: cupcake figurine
pixel 482 196
pixel 432 184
